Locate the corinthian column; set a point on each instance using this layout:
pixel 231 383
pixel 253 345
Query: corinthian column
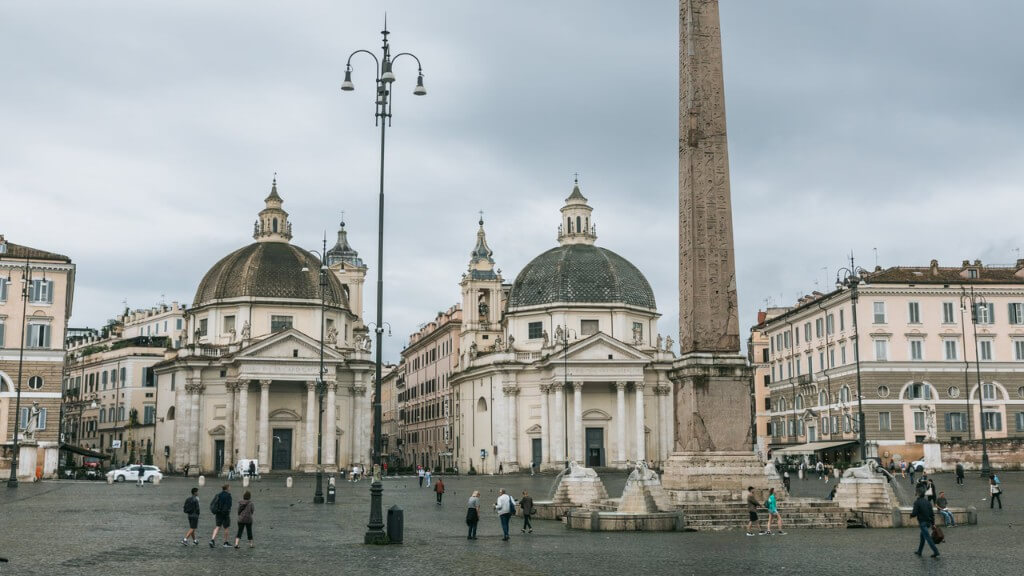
pixel 264 449
pixel 664 421
pixel 641 449
pixel 577 421
pixel 182 426
pixel 545 425
pixel 558 430
pixel 311 417
pixel 195 389
pixel 243 419
pixel 512 421
pixel 358 454
pixel 331 427
pixel 620 422
pixel 229 425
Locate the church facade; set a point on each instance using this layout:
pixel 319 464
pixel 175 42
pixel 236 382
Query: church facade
pixel 563 364
pixel 247 381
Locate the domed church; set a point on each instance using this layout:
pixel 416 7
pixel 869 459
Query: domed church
pixel 563 364
pixel 244 383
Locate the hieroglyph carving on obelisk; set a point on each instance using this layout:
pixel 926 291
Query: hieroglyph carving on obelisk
pixel 708 318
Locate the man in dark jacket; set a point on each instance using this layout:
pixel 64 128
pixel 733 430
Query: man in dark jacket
pixel 925 519
pixel 959 473
pixel 221 508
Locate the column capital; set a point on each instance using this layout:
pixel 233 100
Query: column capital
pixel 620 385
pixel 265 384
pixel 194 385
pixel 544 389
pixel 577 386
pixel 311 385
pixel 639 386
pixel 663 390
pixel 332 386
pixel 232 385
pixel 510 390
pixel 359 390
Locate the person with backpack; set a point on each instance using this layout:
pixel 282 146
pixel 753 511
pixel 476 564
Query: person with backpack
pixel 526 504
pixel 220 506
pixel 191 510
pixel 245 510
pixel 505 507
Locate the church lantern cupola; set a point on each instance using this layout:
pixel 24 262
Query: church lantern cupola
pixel 272 224
pixel 576 226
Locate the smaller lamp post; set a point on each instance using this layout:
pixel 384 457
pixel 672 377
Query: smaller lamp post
pixel 851 278
pixel 977 302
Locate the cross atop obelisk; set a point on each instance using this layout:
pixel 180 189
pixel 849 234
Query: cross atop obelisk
pixel 708 319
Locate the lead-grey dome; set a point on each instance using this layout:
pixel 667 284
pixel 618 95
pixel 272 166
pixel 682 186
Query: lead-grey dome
pixel 580 274
pixel 268 270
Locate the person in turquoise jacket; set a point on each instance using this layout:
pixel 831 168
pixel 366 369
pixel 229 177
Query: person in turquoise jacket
pixel 773 512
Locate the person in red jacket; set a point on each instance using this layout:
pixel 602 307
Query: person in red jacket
pixel 439 489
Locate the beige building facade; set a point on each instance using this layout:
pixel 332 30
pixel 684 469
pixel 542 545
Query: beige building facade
pixel 246 382
pixel 941 354
pixel 563 364
pixel 36 297
pixel 424 403
pixel 758 354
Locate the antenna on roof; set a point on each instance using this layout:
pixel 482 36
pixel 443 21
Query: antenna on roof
pixel 876 257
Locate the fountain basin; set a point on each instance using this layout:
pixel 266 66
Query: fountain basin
pixel 900 517
pixel 548 510
pixel 597 521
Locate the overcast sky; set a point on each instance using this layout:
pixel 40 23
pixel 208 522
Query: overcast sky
pixel 141 138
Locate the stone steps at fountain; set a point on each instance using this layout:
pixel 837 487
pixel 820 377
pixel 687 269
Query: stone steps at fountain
pixel 796 513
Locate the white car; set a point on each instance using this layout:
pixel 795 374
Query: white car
pixel 131 473
pixel 917 466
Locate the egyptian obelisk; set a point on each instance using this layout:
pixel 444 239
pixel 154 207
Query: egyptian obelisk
pixel 713 442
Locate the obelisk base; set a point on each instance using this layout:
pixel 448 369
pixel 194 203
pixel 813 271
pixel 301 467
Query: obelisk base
pixel 717 476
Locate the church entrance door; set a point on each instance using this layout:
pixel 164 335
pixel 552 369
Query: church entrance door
pixel 537 455
pixel 282 458
pixel 218 455
pixel 595 447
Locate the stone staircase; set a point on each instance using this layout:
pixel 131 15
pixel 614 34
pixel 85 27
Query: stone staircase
pixel 796 513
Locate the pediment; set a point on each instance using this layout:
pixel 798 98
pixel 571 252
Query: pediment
pixel 217 430
pixel 534 430
pixel 285 344
pixel 600 346
pixel 595 414
pixel 285 415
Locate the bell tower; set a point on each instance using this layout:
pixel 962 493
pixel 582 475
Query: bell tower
pixel 576 226
pixel 346 264
pixel 272 224
pixel 481 297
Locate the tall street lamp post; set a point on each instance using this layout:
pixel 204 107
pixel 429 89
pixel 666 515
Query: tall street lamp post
pixel 26 284
pixel 851 278
pixel 321 384
pixel 385 76
pixel 976 302
pixel 565 384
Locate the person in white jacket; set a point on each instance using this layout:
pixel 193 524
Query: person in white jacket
pixel 505 506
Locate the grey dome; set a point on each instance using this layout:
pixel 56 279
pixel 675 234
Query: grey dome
pixel 268 270
pixel 580 274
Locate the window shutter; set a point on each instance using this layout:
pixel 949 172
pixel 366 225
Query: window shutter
pixel 1012 313
pixel 949 421
pixel 999 421
pixel 24 418
pixel 49 291
pixel 991 313
pixel 42 418
pixel 46 336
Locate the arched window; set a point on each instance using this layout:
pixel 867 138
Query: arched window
pixel 782 404
pixel 587 221
pixel 568 224
pixel 170 413
pixel 481 405
pixel 822 398
pixel 847 423
pixel 103 416
pixel 120 413
pixel 799 404
pixel 844 394
pixel 579 228
pixel 274 225
pixel 918 391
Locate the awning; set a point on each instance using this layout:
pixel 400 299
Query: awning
pixel 812 447
pixel 84 451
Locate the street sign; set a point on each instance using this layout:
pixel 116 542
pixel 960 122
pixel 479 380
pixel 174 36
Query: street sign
pixel 115 444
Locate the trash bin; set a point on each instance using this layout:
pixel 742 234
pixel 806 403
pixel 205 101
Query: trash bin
pixel 330 491
pixel 395 519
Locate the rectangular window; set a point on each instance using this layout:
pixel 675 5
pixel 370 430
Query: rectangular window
pixel 830 324
pixel 796 335
pixel 588 327
pixel 988 391
pixel 916 350
pixel 947 313
pixel 41 292
pixel 884 421
pixel 1018 346
pixel 807 331
pixel 985 313
pixel 148 378
pixel 956 422
pixel 203 327
pixel 810 364
pixel 173 380
pixel 831 357
pixel 879 310
pixel 177 324
pixel 1020 421
pixel 229 324
pixel 764 355
pixel 819 327
pixel 37 336
pixel 1 332
pixel 278 323
pixel 798 367
pixel 1016 312
pixel 638 331
pixel 919 421
pixel 786 339
pixel 842 354
pixel 950 347
pixel 881 350
pixel 3 289
pixel 985 349
pixel 914 313
pixel 821 360
pixel 842 321
pixel 835 424
pixel 535 330
pixel 149 415
pixel 993 421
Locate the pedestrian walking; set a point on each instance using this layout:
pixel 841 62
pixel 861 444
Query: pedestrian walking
pixel 943 505
pixel 501 469
pixel 245 510
pixel 930 491
pixel 421 473
pixel 142 476
pixel 221 508
pixel 773 511
pixel 995 491
pixel 191 509
pixel 473 514
pixel 913 470
pixel 819 468
pixel 439 489
pixel 384 466
pixel 505 507
pixel 785 480
pixel 526 505
pixel 252 468
pixel 903 468
pixel 925 520
pixel 427 476
pixel 959 473
pixel 752 506
pixel 803 469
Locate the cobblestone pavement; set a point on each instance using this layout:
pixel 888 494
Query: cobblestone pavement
pixel 70 528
